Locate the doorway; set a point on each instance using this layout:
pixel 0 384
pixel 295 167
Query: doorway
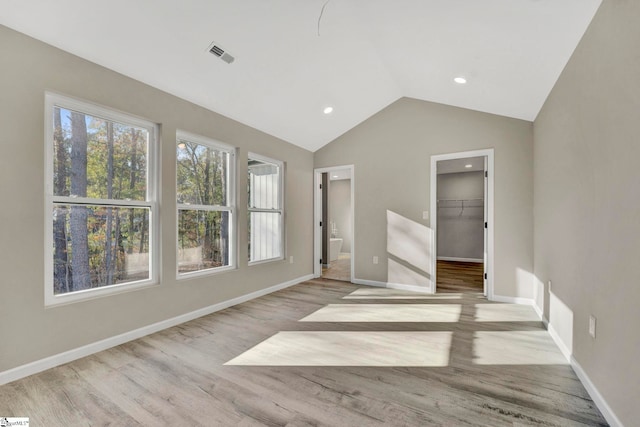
pixel 461 220
pixel 334 222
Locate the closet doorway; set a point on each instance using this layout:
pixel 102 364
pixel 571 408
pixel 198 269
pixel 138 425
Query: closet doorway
pixel 462 217
pixel 334 222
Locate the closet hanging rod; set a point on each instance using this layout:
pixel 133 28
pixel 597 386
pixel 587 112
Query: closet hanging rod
pixel 458 200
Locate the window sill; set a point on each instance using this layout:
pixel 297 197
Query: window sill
pixel 266 261
pixel 204 273
pixel 90 294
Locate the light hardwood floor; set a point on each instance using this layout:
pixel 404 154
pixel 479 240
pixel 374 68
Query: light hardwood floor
pixel 454 360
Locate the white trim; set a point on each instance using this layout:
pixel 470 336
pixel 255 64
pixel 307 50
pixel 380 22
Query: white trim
pixel 152 202
pixel 451 258
pixel 512 300
pixel 595 395
pixel 317 217
pixel 561 345
pixel 281 210
pixel 602 404
pixel 490 198
pixel 400 286
pixel 86 350
pixel 182 137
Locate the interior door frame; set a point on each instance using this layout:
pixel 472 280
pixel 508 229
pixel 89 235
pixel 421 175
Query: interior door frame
pixel 317 217
pixel 489 200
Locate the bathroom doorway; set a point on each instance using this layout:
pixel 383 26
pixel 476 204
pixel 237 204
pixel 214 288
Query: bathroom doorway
pixel 334 221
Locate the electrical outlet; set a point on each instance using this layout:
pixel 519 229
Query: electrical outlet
pixel 375 259
pixel 592 326
pixel 549 286
pixel 291 259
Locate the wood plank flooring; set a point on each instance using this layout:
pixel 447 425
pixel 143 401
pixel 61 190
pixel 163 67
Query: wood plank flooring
pixel 339 269
pixel 496 366
pixel 456 276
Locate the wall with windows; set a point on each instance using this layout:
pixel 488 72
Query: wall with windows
pixel 29 331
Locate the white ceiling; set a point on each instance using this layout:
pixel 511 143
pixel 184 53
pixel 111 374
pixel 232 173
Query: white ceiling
pixel 460 165
pixel 340 174
pixel 369 53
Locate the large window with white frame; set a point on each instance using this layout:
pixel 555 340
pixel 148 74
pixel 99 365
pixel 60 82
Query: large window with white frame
pixel 205 180
pixel 101 204
pixel 266 212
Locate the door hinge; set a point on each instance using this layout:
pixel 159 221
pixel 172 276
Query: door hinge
pixel 320 223
pixel 485 225
pixel 485 276
pixel 486 174
pixel 320 260
pixel 321 186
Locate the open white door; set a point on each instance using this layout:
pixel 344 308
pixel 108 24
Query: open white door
pixel 486 222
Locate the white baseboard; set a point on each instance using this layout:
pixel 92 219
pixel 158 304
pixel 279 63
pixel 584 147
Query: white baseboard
pixel 540 314
pixel 389 285
pixel 77 353
pixel 513 300
pixel 450 258
pixel 602 404
pixel 559 342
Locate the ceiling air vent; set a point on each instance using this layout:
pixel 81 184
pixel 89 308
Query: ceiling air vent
pixel 220 53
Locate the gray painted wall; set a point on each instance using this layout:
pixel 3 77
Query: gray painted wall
pixel 587 209
pixel 461 230
pixel 391 153
pixel 340 208
pixel 29 331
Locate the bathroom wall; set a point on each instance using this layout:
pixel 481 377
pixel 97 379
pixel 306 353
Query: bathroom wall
pixel 340 210
pixel 461 230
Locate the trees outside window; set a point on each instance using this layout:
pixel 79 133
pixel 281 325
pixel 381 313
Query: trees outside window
pixel 265 183
pixel 205 201
pixel 101 200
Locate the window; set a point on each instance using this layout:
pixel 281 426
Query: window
pixel 265 209
pixel 101 204
pixel 205 198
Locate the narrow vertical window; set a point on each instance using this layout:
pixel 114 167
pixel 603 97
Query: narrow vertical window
pixel 205 200
pixel 266 214
pixel 101 203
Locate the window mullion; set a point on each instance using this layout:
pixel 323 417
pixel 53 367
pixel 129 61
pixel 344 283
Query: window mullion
pixel 87 201
pixel 184 206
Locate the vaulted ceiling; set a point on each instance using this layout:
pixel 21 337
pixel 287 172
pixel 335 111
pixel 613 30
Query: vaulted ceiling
pixel 293 58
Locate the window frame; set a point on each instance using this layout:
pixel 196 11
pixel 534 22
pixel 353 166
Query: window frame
pixel 53 100
pixel 231 204
pixel 281 210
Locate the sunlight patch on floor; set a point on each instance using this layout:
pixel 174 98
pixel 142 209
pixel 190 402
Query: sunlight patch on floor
pixel 505 313
pixel 337 348
pixel 387 293
pixel 386 313
pixel 516 348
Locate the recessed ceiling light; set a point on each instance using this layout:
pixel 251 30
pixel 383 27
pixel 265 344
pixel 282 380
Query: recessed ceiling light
pixel 327 110
pixel 468 166
pixel 460 80
pixel 335 176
